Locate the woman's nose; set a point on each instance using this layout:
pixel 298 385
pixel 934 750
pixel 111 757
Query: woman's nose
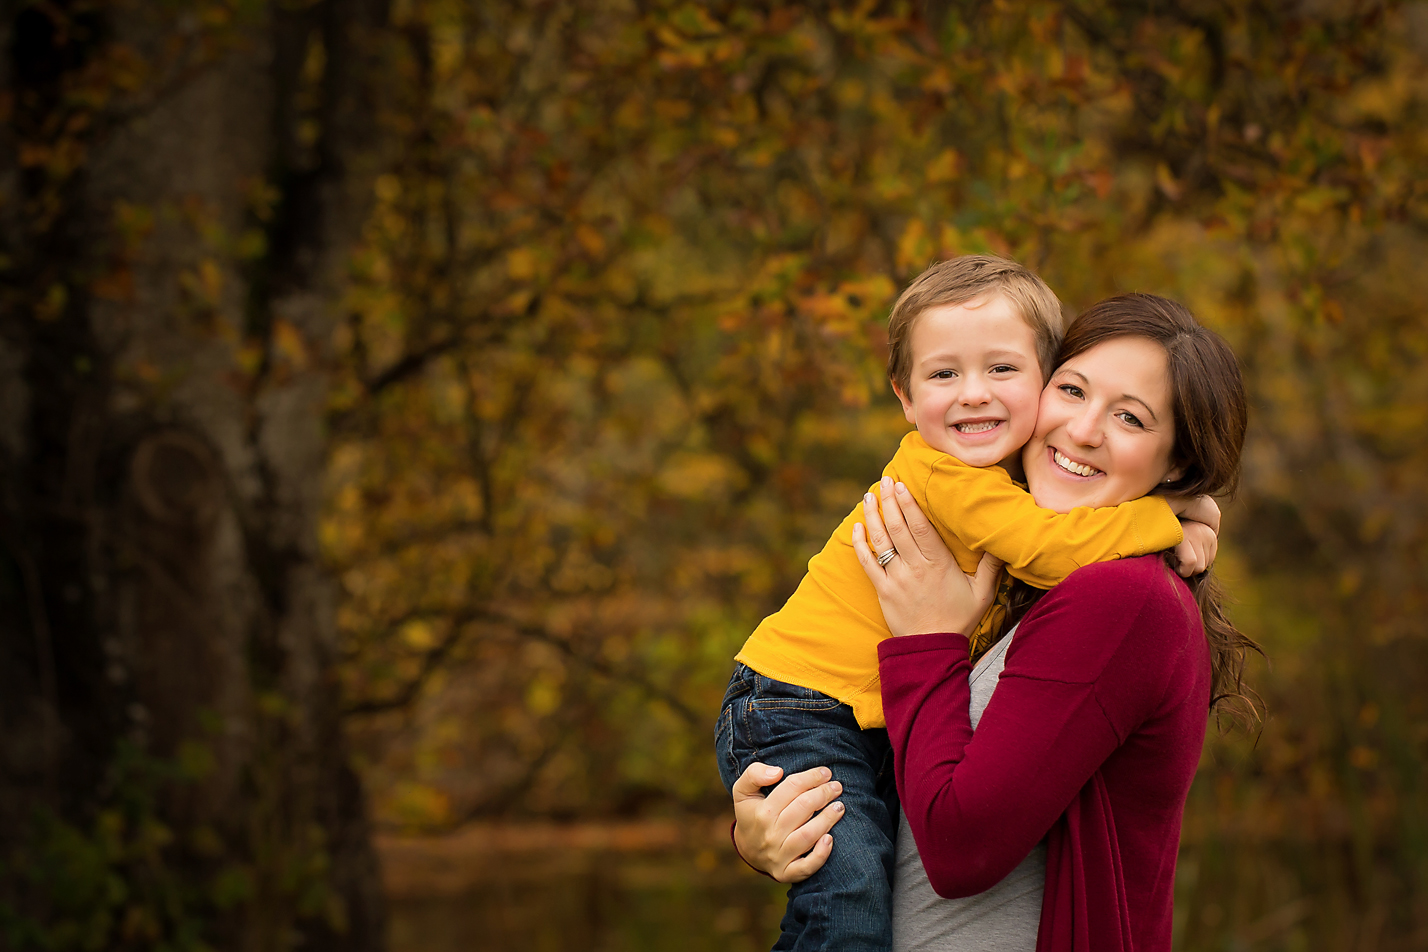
pixel 1085 428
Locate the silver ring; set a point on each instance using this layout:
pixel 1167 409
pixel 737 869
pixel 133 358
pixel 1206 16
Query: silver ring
pixel 885 557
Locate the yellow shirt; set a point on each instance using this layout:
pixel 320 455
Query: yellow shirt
pixel 826 635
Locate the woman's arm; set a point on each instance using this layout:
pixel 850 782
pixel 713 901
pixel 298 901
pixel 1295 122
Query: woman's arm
pixel 978 803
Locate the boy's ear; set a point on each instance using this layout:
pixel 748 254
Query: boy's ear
pixel 906 403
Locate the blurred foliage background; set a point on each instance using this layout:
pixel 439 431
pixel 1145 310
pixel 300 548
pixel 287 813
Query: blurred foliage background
pixel 612 370
pixel 608 369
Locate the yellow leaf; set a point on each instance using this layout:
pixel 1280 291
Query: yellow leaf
pixel 210 280
pixel 914 249
pixel 1165 180
pixel 543 696
pixel 388 188
pixel 288 344
pixel 944 168
pixel 417 635
pixel 521 264
pixel 52 304
pixel 591 240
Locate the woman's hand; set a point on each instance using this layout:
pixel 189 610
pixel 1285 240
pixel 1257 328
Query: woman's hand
pixel 922 590
pixel 776 833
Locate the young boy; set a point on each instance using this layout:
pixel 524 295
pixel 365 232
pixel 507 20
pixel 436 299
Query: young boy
pixel 971 342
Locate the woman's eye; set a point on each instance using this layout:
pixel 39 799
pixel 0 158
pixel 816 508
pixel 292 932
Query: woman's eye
pixel 1070 389
pixel 1130 418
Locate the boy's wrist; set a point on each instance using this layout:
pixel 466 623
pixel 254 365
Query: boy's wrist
pixel 1204 510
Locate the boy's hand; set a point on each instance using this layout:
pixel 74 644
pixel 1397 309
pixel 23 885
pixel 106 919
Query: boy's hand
pixel 1200 520
pixel 1197 553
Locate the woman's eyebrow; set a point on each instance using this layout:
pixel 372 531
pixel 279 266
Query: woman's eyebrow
pixel 1131 396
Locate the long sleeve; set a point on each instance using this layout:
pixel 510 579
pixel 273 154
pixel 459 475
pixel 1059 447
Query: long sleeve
pixel 1084 670
pixel 988 512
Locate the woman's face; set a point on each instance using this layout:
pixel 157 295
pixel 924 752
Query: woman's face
pixel 1105 429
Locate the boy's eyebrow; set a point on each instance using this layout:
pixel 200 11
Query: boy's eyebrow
pixel 1125 396
pixel 990 355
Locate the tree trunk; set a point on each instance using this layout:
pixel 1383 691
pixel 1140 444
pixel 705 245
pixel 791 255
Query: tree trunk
pixel 180 193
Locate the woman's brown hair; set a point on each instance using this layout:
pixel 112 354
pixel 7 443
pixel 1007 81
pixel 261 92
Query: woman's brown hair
pixel 1211 412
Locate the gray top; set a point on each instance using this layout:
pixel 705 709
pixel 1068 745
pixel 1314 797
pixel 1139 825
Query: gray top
pixel 1002 919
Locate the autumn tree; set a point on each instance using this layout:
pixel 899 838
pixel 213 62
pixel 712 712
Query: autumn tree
pixel 181 186
pixel 567 316
pixel 613 374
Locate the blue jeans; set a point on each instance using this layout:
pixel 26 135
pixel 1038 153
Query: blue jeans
pixel 846 905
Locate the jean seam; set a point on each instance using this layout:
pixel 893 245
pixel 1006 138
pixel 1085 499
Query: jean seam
pixel 749 730
pixel 726 722
pixel 794 704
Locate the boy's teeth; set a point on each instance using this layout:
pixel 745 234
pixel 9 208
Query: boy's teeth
pixel 1080 469
pixel 976 427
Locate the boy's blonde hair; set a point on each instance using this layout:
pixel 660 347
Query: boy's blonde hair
pixel 966 278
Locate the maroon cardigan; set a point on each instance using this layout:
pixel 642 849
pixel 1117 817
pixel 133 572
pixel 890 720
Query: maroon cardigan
pixel 1091 741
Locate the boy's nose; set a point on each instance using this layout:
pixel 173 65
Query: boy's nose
pixel 974 392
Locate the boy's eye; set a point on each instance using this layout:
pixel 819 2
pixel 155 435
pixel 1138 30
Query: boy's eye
pixel 1131 418
pixel 944 375
pixel 1071 389
pixel 1003 369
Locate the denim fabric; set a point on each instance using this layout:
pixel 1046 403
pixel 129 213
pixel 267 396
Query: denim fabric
pixel 846 905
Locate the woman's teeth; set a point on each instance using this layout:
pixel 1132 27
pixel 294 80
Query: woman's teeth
pixel 976 427
pixel 1080 469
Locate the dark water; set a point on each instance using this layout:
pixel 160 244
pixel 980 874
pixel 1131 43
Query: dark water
pixel 676 899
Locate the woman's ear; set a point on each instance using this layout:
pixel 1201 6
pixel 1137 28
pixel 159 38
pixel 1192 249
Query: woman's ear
pixel 906 403
pixel 1175 473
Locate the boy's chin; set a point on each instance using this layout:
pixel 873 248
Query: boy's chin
pixel 982 456
pixel 1002 452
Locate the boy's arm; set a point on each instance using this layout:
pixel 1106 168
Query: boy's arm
pixel 989 512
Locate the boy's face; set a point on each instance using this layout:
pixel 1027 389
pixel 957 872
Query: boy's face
pixel 975 382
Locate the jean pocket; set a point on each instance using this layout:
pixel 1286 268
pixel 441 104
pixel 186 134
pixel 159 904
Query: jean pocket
pixel 741 682
pixel 771 695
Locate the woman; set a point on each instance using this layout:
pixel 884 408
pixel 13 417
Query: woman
pixel 1091 739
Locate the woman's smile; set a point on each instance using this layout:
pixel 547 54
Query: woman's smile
pixel 1072 466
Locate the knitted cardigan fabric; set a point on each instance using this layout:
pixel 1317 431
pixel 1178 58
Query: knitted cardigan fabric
pixel 1091 740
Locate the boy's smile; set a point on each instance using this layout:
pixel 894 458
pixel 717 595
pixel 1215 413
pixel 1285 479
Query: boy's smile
pixel 975 380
